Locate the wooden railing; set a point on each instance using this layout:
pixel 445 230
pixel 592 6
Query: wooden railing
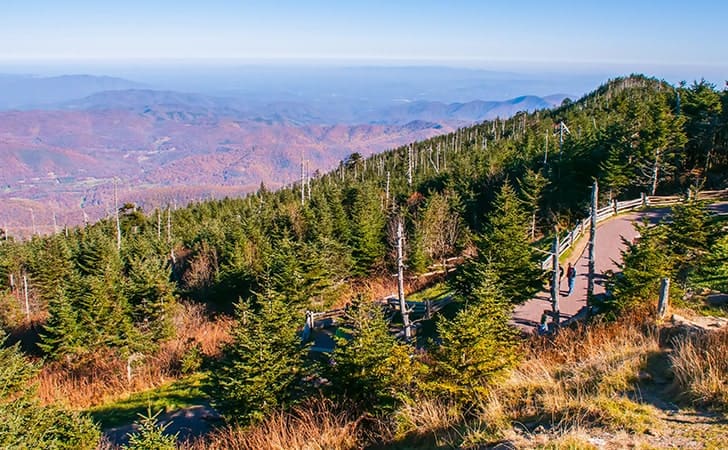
pixel 617 207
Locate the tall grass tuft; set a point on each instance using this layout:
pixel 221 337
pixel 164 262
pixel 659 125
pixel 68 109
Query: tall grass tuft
pixel 700 365
pixel 317 425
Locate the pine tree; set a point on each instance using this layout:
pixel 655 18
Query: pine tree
pixel 265 366
pixel 63 333
pixel 531 187
pixel 24 423
pixel 369 365
pixel 643 265
pixel 690 234
pixel 713 272
pixel 367 230
pixel 151 295
pixel 151 435
pixel 478 344
pixel 504 250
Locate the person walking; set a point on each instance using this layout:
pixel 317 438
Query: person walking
pixel 571 278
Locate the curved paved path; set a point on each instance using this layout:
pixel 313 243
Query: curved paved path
pixel 609 245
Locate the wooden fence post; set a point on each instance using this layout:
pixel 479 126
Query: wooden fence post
pixel 664 296
pixel 555 281
pixel 615 206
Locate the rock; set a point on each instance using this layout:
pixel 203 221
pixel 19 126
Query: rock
pixel 707 323
pixel 644 376
pixel 502 445
pixel 717 299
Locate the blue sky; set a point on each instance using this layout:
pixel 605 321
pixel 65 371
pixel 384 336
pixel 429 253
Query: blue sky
pixel 465 32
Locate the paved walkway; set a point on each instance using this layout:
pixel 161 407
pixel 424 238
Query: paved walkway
pixel 609 245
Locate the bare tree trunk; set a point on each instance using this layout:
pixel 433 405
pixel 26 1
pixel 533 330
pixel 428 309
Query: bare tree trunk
pixel 409 166
pixel 27 302
pixel 556 315
pixel 32 219
pixel 655 172
pixel 303 181
pixel 400 281
pixel 169 225
pixel 386 204
pixel 116 213
pixel 592 245
pixel 664 296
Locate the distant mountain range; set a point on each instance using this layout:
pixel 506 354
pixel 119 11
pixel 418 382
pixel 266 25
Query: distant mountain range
pixel 30 92
pixel 166 103
pixel 64 139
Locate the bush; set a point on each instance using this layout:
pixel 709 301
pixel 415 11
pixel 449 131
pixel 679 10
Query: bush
pixel 24 423
pixel 151 435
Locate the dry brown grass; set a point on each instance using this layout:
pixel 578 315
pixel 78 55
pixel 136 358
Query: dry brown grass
pixel 319 425
pixel 105 376
pixel 574 380
pixel 380 287
pixel 700 365
pixel 578 378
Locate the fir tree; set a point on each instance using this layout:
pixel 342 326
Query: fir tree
pixel 505 251
pixel 367 225
pixel 690 234
pixel 643 265
pixel 151 295
pixel 368 364
pixel 478 344
pixel 151 434
pixel 24 423
pixel 265 365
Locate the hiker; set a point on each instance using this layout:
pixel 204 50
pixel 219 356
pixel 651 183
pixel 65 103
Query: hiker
pixel 543 327
pixel 571 277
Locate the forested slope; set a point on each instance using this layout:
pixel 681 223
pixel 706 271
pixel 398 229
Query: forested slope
pixel 491 189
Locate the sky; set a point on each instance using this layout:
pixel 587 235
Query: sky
pixel 460 32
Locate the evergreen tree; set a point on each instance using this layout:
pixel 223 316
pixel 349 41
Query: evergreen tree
pixel 151 295
pixel 690 234
pixel 702 107
pixel 505 251
pixel 531 187
pixel 151 435
pixel 265 366
pixel 24 423
pixel 643 265
pixel 713 272
pixel 478 344
pixel 369 365
pixel 367 230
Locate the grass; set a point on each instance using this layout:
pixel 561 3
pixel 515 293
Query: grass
pixel 700 365
pixel 576 390
pixel 318 425
pixel 437 291
pixel 103 378
pixel 172 396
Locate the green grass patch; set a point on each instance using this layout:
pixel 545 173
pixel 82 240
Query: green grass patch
pixel 437 291
pixel 168 397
